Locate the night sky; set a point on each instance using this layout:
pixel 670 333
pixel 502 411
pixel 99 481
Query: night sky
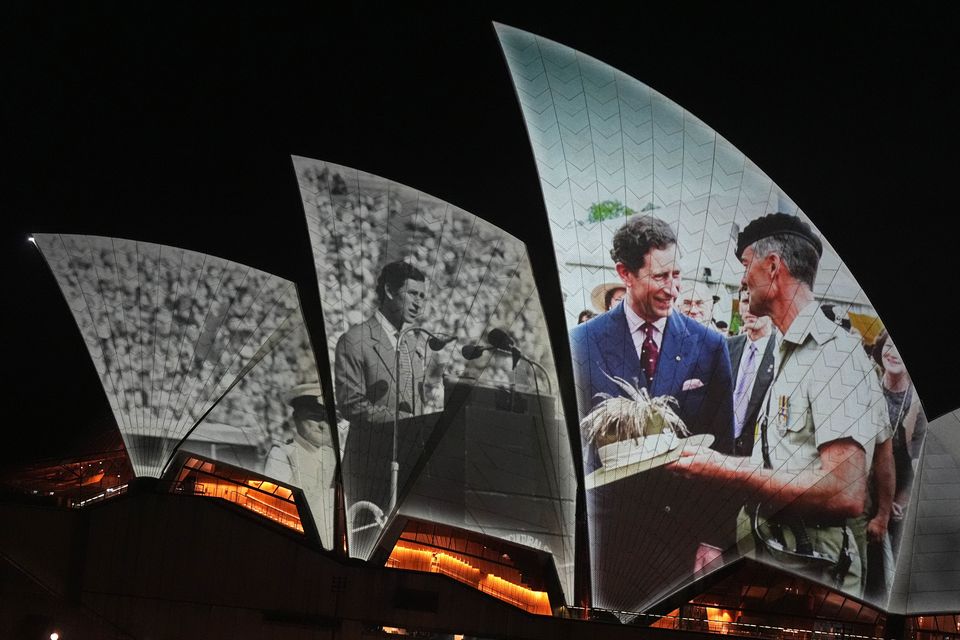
pixel 176 126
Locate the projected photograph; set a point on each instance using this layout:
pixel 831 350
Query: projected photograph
pixel 738 395
pixel 444 380
pixel 203 355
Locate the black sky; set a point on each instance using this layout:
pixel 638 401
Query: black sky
pixel 174 124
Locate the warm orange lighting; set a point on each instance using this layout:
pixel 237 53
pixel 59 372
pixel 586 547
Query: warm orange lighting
pixel 96 478
pixel 264 504
pixel 265 498
pixel 718 620
pixel 418 559
pixel 668 621
pixel 515 594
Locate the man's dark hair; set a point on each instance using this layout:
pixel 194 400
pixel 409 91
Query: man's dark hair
pixel 634 240
pixel 394 274
pixel 876 352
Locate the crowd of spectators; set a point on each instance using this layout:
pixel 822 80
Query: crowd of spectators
pixel 171 330
pixel 478 276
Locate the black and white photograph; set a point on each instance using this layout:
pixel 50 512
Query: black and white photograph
pixel 443 375
pixel 200 354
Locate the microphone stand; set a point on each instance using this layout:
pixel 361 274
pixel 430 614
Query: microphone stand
pixel 395 462
pixel 534 365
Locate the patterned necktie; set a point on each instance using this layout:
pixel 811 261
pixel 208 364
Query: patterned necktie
pixel 405 381
pixel 740 400
pixel 649 353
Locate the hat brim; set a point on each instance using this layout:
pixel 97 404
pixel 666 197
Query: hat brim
pixel 599 293
pixel 301 390
pixel 603 476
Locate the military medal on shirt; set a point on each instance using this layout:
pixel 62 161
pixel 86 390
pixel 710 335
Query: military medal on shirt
pixel 783 414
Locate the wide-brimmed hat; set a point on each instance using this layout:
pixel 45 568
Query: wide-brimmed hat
pixel 599 294
pixel 605 475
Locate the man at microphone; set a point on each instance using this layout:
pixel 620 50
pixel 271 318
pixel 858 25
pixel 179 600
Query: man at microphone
pixel 371 382
pixel 367 387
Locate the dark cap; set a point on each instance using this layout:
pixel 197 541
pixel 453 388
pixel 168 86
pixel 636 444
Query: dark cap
pixel 774 224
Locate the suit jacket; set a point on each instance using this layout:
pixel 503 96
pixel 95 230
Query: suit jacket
pixel 688 351
pixel 743 445
pixel 645 529
pixel 365 379
pixel 366 393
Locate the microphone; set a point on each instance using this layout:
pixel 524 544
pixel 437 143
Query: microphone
pixel 473 351
pixel 500 339
pixel 436 342
pixel 503 341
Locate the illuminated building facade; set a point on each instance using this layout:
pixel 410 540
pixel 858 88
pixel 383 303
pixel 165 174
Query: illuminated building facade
pixel 436 442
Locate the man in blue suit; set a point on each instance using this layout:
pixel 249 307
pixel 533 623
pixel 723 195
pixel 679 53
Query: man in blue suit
pixel 647 530
pixel 645 342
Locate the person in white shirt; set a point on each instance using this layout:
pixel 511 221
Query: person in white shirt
pixel 309 461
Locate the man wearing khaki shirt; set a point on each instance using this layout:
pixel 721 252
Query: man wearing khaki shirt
pixel 816 430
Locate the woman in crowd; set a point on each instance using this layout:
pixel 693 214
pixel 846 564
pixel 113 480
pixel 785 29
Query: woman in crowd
pixel 909 426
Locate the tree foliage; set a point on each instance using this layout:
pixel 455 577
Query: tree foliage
pixel 607 210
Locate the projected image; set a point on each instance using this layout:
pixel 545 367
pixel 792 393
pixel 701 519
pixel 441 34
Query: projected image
pixel 200 354
pixel 733 394
pixel 443 374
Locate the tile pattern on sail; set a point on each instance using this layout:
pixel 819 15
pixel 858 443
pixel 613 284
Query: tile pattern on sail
pixel 477 278
pixel 607 146
pixel 188 343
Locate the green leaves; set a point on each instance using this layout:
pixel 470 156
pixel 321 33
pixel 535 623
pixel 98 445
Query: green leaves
pixel 607 210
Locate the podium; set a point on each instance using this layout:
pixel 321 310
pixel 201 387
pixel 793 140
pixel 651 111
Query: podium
pixel 494 460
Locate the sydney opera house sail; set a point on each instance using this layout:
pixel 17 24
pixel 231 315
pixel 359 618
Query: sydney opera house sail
pixel 443 373
pixel 199 354
pixel 775 444
pixel 747 447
